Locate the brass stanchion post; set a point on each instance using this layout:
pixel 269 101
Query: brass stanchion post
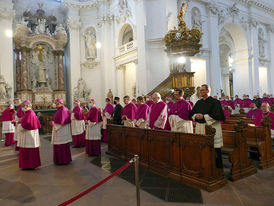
pixel 137 182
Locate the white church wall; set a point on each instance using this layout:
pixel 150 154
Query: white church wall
pixel 157 62
pixel 93 76
pixel 271 56
pixel 142 66
pixel 156 28
pixel 263 80
pixel 204 19
pixel 129 79
pixel 6 42
pixel 156 19
pixel 150 21
pixel 199 67
pixel 74 74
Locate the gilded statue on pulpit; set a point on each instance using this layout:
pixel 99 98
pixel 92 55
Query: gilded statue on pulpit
pixel 182 14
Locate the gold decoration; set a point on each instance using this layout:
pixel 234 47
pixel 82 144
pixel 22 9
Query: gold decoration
pixel 183 40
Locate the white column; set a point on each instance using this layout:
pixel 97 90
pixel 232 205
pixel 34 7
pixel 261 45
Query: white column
pixel 140 33
pixel 74 72
pixel 225 80
pixel 208 75
pixel 270 29
pixel 120 81
pixel 215 71
pixel 6 52
pixel 242 76
pixel 108 52
pixel 138 80
pixel 254 60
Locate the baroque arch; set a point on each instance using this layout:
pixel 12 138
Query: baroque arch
pixel 126 34
pixel 238 50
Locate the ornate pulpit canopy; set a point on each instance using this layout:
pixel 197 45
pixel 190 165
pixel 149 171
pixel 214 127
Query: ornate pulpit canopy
pixel 183 41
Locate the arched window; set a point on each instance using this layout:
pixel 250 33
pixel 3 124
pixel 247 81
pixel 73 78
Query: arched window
pixel 127 35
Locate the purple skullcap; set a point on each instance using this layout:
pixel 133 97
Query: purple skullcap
pixel 27 101
pixel 76 101
pixel 60 100
pixel 251 104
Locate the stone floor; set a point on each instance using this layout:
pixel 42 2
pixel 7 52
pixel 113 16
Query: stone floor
pixel 50 185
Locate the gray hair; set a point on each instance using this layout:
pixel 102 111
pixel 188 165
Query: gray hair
pixel 28 104
pixel 17 99
pixel 156 94
pixel 267 104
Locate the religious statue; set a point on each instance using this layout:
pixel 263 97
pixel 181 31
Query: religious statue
pixel 41 75
pixel 81 87
pixel 60 29
pixel 196 19
pixel 80 91
pixel 41 27
pixel 182 14
pixel 261 41
pixel 110 95
pixel 198 92
pixel 35 59
pixel 123 5
pixel 5 89
pixel 24 22
pixel 34 82
pixel 3 94
pixel 90 44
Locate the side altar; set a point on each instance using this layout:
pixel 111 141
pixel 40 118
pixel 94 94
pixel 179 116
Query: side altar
pixel 39 50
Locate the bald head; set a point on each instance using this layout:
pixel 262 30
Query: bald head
pixel 265 107
pixel 156 97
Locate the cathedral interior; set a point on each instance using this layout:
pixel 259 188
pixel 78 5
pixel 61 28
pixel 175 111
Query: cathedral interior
pixel 96 49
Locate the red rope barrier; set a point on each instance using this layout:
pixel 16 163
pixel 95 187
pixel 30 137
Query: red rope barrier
pixel 97 185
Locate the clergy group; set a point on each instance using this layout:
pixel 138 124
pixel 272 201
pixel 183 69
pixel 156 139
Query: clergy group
pixel 87 127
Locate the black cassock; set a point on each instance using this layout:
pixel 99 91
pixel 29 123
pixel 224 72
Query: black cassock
pixel 210 106
pixel 214 109
pixel 117 114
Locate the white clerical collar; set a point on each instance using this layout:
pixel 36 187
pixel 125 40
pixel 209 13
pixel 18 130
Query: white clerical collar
pixel 158 101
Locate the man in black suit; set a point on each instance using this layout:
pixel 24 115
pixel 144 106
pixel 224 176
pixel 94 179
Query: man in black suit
pixel 117 111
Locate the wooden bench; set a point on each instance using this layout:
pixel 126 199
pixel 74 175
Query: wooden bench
pixel 189 158
pixel 235 146
pixel 259 141
pixel 234 120
pixel 237 116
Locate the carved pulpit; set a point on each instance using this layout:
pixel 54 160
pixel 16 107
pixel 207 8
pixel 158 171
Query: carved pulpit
pixel 181 42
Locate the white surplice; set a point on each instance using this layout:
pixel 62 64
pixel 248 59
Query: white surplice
pixel 77 126
pixel 28 138
pixel 61 134
pixel 178 124
pixel 93 131
pixel 200 129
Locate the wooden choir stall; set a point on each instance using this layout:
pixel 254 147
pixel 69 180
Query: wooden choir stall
pixel 189 158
